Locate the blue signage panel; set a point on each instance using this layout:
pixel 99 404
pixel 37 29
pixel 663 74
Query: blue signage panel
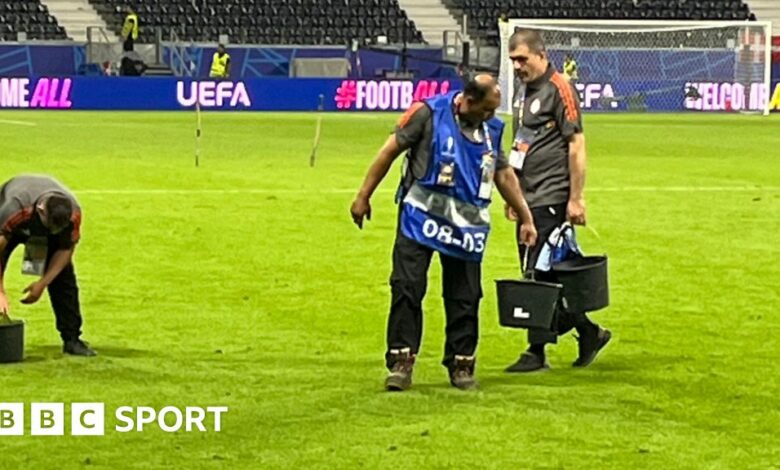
pixel 167 94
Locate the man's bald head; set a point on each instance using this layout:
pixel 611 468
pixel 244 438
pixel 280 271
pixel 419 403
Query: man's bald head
pixel 481 87
pixel 481 98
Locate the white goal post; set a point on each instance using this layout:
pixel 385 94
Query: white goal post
pixel 661 66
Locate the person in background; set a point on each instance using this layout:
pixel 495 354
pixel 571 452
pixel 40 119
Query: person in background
pixel 129 30
pixel 220 63
pixel 570 72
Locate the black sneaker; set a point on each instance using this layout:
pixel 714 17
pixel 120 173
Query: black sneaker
pixel 590 345
pixel 400 377
pixel 528 362
pixel 462 373
pixel 76 347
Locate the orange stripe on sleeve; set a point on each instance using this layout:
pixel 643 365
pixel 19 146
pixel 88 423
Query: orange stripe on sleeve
pixel 567 95
pixel 18 218
pixel 409 113
pixel 76 234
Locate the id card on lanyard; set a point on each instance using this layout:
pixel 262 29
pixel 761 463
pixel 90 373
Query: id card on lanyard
pixel 35 251
pixel 520 145
pixel 488 166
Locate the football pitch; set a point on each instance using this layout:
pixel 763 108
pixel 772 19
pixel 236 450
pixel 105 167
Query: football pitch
pixel 243 283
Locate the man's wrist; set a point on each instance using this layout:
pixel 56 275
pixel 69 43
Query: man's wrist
pixel 527 216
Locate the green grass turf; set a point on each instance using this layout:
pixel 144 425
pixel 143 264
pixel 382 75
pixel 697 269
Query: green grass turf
pixel 268 300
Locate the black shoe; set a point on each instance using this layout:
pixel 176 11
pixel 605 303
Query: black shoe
pixel 462 373
pixel 400 377
pixel 590 345
pixel 528 362
pixel 76 347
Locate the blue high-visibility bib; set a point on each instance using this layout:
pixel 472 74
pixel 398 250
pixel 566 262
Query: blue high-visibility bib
pixel 447 209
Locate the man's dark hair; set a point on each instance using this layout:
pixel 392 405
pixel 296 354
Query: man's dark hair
pixel 59 210
pixel 530 37
pixel 477 90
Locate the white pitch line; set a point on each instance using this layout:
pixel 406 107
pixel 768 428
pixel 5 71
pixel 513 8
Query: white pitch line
pixel 18 123
pixel 684 189
pixel 659 189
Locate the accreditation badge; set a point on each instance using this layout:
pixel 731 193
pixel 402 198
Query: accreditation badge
pixel 517 155
pixel 488 167
pixel 34 260
pixel 520 147
pixel 446 176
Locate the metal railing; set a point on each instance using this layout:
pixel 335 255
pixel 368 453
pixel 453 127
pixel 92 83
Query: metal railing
pixel 100 47
pixel 481 54
pixel 182 62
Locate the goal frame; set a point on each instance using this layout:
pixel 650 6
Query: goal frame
pixel 506 28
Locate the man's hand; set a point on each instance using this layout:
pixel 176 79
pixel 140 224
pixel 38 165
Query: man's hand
pixel 3 304
pixel 575 211
pixel 34 292
pixel 528 234
pixel 361 207
pixel 510 213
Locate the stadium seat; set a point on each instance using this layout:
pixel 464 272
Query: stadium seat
pixel 28 16
pixel 358 19
pixel 483 14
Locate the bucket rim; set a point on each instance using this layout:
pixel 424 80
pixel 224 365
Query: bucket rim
pixel 529 282
pixel 578 264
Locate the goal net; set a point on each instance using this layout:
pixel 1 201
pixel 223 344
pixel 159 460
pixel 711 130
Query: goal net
pixel 665 66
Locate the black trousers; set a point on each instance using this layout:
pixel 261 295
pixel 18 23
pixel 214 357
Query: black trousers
pixel 546 219
pixel 63 293
pixel 128 44
pixel 462 291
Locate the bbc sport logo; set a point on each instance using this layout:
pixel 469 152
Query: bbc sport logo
pixel 89 419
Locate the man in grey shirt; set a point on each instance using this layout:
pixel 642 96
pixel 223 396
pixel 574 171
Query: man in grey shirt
pixel 40 213
pixel 548 155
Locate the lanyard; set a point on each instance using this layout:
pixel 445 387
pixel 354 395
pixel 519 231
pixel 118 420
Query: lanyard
pixel 488 139
pixel 485 131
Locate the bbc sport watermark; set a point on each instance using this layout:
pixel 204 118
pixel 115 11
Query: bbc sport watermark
pixel 89 419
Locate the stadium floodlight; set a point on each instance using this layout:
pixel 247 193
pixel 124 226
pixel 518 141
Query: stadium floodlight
pixel 664 66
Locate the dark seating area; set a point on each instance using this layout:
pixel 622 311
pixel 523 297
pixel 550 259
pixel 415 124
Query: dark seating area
pixel 29 16
pixel 304 22
pixel 483 14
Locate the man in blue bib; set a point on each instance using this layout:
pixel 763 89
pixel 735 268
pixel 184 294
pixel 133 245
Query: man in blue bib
pixel 454 143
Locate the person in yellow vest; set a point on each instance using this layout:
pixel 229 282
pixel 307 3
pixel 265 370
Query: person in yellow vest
pixel 220 64
pixel 129 30
pixel 570 69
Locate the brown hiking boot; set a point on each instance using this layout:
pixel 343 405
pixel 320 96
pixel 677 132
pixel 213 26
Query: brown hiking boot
pixel 400 377
pixel 462 373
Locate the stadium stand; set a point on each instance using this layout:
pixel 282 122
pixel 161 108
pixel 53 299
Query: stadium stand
pixel 300 22
pixel 483 14
pixel 28 16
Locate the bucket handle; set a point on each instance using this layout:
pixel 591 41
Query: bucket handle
pixel 524 267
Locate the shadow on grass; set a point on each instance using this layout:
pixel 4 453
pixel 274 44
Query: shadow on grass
pixel 42 353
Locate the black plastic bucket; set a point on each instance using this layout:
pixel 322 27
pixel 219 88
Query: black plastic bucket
pixel 11 341
pixel 585 283
pixel 526 303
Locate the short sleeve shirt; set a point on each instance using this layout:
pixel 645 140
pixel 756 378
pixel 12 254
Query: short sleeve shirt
pixel 547 112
